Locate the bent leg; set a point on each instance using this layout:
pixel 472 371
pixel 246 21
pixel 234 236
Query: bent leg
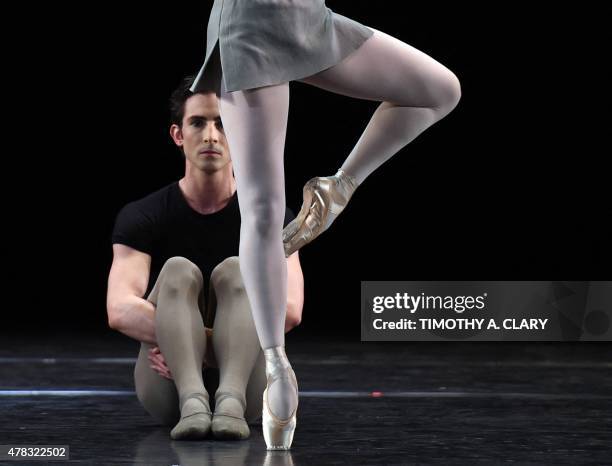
pixel 157 394
pixel 415 90
pixel 181 338
pixel 236 348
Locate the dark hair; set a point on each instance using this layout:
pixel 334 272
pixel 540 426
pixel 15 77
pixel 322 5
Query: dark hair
pixel 179 96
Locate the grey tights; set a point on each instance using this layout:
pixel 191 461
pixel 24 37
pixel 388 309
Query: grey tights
pixel 179 322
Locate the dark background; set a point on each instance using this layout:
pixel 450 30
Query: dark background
pixel 511 185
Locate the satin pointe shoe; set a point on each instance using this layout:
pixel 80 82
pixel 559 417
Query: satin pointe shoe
pixel 195 421
pixel 324 199
pixel 278 433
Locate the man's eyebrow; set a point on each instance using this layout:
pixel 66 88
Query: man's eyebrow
pixel 199 117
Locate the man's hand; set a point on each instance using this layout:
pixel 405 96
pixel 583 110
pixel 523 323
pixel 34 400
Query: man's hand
pixel 158 363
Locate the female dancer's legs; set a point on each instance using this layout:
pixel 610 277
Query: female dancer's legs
pixel 416 92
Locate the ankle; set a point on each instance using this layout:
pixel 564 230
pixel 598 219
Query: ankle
pixel 194 403
pixel 349 180
pixel 276 358
pixel 230 404
pixel 199 396
pixel 277 364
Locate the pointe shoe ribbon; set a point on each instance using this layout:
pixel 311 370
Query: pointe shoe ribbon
pixel 324 199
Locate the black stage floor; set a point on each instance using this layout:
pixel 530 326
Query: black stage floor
pixel 360 403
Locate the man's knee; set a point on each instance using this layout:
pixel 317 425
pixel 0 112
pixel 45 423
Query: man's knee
pixel 179 272
pixel 226 276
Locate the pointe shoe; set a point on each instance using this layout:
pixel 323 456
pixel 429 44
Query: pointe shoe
pixel 324 199
pixel 278 433
pixel 195 425
pixel 227 426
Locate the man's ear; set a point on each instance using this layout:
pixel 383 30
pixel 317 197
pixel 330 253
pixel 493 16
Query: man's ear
pixel 176 133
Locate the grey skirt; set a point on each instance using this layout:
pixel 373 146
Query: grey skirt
pixel 255 43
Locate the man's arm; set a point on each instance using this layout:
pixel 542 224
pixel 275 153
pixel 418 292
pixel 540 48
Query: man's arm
pixel 295 292
pixel 128 312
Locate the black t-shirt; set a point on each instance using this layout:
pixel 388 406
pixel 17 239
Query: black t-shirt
pixel 164 225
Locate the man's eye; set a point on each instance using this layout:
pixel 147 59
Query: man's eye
pixel 196 123
pixel 219 124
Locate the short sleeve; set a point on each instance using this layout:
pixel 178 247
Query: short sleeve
pixel 134 228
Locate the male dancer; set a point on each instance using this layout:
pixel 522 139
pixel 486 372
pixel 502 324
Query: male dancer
pixel 172 246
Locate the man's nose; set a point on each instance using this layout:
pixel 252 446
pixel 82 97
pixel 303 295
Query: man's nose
pixel 211 134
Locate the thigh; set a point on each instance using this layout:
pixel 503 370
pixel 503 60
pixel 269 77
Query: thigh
pixel 386 69
pixel 255 123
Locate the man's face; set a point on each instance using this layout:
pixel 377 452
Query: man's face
pixel 201 136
